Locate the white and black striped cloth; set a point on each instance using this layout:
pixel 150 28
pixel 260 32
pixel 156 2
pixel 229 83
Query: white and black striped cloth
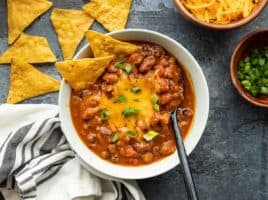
pixel 36 162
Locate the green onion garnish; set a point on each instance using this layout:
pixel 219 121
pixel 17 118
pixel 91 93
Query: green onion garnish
pixel 253 72
pixel 123 65
pixel 104 114
pixel 115 137
pixel 130 111
pixel 150 135
pixel 154 99
pixel 135 89
pixel 132 133
pixel 156 107
pixel 121 99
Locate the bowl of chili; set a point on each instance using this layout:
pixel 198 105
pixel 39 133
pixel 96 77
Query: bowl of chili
pixel 146 163
pixel 249 68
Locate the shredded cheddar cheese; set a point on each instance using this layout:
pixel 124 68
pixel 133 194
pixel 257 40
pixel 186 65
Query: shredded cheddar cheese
pixel 220 11
pixel 140 101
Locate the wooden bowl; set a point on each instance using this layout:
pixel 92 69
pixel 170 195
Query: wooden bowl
pixel 258 40
pixel 188 15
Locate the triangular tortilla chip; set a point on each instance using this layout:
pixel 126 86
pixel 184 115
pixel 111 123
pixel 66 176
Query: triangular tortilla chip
pixel 104 45
pixel 112 14
pixel 33 49
pixel 27 82
pixel 21 13
pixel 83 72
pixel 70 26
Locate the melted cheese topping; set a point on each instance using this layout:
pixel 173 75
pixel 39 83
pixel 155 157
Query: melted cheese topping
pixel 140 101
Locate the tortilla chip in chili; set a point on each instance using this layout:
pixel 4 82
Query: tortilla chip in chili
pixel 21 13
pixel 112 14
pixel 70 26
pixel 33 49
pixel 27 82
pixel 83 72
pixel 104 45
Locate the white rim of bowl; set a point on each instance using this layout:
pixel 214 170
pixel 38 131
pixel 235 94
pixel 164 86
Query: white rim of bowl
pixel 129 172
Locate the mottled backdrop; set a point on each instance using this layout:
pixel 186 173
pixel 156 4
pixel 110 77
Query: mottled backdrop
pixel 231 160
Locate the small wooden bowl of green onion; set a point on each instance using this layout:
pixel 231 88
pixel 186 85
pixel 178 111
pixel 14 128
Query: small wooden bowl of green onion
pixel 249 68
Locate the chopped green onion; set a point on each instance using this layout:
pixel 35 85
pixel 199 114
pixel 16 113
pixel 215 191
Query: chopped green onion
pixel 121 99
pixel 104 114
pixel 132 133
pixel 130 111
pixel 123 65
pixel 150 135
pixel 119 64
pixel 264 90
pixel 135 89
pixel 253 72
pixel 154 99
pixel 115 137
pixel 128 68
pixel 156 107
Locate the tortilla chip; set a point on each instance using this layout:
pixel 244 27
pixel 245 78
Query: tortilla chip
pixel 83 72
pixel 112 14
pixel 21 13
pixel 70 26
pixel 27 82
pixel 104 45
pixel 33 49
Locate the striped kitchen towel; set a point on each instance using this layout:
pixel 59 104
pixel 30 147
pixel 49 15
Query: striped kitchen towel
pixel 36 162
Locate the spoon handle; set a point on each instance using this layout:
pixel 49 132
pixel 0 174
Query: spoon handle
pixel 188 179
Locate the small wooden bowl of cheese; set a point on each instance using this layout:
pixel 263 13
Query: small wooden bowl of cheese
pixel 220 15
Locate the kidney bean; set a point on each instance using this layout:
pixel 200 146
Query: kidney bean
pixel 164 62
pixel 104 130
pixel 160 71
pixel 162 86
pixel 89 113
pixel 110 78
pixel 167 147
pixel 147 64
pixel 128 151
pixel 142 147
pixel 172 72
pixel 105 154
pixel 91 137
pixel 156 150
pixel 159 51
pixel 160 119
pixel 147 157
pixel 165 98
pixel 186 112
pixel 112 69
pixel 135 58
pixel 142 125
pixel 112 148
pixel 107 88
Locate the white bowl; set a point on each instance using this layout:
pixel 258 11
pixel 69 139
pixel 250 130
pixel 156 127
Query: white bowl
pixel 200 119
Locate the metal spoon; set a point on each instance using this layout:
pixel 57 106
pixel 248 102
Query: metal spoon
pixel 188 179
